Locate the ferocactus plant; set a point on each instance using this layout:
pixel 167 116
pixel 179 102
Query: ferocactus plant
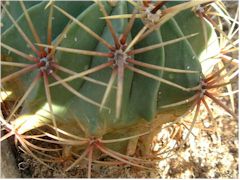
pixel 103 77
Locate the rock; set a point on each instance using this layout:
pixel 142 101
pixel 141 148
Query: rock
pixel 8 162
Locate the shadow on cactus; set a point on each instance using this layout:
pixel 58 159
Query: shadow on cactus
pixel 103 78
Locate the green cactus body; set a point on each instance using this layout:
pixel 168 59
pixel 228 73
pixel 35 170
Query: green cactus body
pixel 142 97
pixel 190 57
pixel 15 9
pixel 40 22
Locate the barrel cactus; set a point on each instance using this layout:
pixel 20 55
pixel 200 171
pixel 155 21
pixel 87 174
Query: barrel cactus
pixel 103 77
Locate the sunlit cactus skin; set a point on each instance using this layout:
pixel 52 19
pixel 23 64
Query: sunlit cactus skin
pixel 140 97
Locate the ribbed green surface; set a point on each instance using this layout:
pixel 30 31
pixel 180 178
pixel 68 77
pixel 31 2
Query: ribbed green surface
pixel 39 17
pixel 142 97
pixel 16 10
